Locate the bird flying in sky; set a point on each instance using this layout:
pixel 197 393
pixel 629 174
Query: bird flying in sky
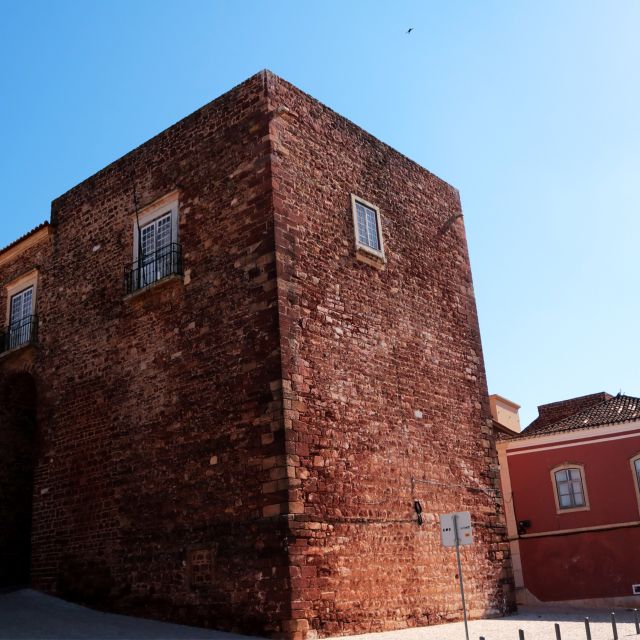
pixel 409 30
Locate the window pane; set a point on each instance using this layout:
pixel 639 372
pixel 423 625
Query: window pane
pixel 163 247
pixel 367 226
pixel 561 476
pixel 362 224
pixel 569 487
pixel 27 302
pixel 148 242
pixel 16 309
pixel 362 234
pixel 21 306
pixel 372 228
pixel 163 234
pixel 565 501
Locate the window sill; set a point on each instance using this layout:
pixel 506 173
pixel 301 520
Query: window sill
pixel 572 510
pixel 164 283
pixel 23 348
pixel 372 258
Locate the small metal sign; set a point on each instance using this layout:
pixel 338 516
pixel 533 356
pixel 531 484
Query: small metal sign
pixel 455 530
pixel 461 521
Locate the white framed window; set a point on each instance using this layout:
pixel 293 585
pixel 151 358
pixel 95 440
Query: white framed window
pixel 367 227
pixel 569 488
pixel 21 320
pixel 156 240
pixel 635 470
pixel 156 250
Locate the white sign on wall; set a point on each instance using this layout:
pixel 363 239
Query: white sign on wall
pixel 456 531
pixel 448 522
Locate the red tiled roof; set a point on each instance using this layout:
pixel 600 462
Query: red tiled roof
pixel 614 410
pixel 553 412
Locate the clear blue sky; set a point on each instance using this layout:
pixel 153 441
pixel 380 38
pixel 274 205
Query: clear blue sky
pixel 531 109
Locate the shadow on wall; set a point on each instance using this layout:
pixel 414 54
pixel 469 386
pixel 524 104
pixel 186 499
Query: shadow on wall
pixel 86 581
pixel 18 427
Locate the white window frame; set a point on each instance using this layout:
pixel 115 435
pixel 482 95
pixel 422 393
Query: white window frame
pixel 158 209
pixel 564 467
pixel 636 476
pixel 27 281
pixel 18 286
pixel 167 205
pixel 360 246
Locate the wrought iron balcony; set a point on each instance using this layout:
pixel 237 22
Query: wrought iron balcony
pixel 19 334
pixel 153 267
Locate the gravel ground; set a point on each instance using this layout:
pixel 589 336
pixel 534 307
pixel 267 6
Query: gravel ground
pixel 537 624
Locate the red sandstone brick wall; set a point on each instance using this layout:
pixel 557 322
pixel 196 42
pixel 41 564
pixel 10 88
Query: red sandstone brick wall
pixel 242 449
pixel 385 393
pixel 161 408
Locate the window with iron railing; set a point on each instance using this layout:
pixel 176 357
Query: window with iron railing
pixel 153 266
pixel 23 323
pixel 19 334
pixel 157 255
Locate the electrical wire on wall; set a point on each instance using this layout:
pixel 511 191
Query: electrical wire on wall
pixel 452 485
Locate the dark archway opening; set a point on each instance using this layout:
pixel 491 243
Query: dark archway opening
pixel 18 426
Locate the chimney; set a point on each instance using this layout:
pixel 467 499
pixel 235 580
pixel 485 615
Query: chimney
pixel 505 412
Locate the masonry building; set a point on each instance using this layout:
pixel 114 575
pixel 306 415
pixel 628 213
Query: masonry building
pixel 234 361
pixel 571 484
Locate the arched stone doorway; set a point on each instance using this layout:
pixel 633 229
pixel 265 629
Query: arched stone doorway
pixel 18 426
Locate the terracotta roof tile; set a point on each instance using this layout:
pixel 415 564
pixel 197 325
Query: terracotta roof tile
pixel 614 410
pixel 25 236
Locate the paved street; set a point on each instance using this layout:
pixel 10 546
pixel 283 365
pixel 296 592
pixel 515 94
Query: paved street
pixel 29 615
pixel 537 624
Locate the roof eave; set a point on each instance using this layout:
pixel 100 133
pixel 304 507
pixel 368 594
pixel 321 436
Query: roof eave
pixel 28 240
